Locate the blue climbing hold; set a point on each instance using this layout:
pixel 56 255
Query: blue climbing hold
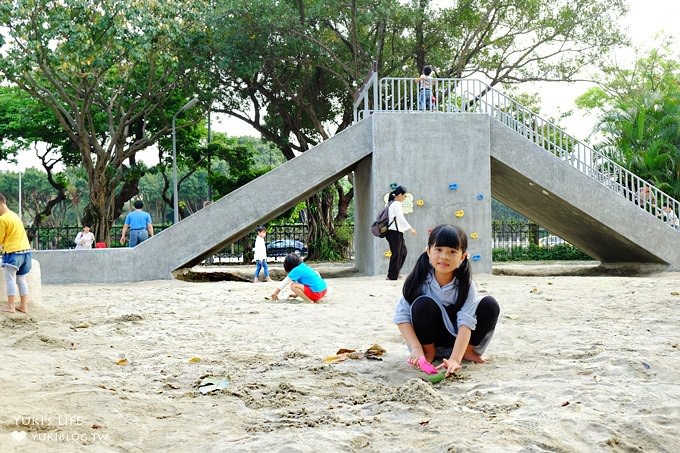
pixel 476 257
pixel 394 185
pixel 453 186
pixel 480 196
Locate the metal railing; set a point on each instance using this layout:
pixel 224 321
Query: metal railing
pixel 367 94
pixel 54 238
pixel 391 94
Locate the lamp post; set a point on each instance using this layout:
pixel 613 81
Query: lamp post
pixel 175 195
pixel 21 213
pixel 209 156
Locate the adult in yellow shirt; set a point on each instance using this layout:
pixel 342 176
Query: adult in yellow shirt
pixel 16 258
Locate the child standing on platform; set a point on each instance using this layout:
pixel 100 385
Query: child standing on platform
pixel 261 255
pixel 426 83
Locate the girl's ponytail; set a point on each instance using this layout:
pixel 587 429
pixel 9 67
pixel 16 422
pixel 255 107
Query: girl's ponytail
pixel 415 280
pixel 464 277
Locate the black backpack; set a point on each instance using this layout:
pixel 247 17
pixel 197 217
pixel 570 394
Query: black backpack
pixel 382 222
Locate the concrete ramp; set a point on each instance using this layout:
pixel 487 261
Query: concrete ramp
pixel 552 193
pixel 214 227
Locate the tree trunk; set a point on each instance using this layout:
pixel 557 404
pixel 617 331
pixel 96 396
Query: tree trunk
pixel 321 227
pixel 533 233
pixel 95 213
pixel 106 206
pixel 420 35
pixel 344 200
pixel 45 213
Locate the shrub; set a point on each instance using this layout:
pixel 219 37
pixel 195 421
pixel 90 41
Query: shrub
pixel 560 252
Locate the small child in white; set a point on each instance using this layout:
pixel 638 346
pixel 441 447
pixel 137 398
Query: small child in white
pixel 261 255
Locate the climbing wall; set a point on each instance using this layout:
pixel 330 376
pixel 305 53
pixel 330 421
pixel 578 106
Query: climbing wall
pixel 444 163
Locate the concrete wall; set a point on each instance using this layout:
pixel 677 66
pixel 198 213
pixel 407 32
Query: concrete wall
pixel 426 153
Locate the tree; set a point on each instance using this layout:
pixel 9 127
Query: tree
pixel 240 160
pixel 26 124
pixel 639 126
pixel 36 192
pixel 515 41
pixel 290 69
pixel 112 73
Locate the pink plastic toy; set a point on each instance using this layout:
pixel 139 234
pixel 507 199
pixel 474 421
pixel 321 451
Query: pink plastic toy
pixel 425 366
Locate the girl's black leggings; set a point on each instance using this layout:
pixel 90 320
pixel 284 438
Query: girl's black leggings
pixel 426 317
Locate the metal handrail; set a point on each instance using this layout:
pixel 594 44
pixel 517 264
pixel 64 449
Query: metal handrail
pixel 450 95
pixel 362 95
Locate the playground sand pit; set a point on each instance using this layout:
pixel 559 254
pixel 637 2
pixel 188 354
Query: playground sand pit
pixel 577 364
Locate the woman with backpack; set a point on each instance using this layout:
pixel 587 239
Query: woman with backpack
pixel 395 233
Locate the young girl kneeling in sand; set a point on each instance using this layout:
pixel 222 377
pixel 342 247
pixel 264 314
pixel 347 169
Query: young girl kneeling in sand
pixel 440 314
pixel 304 281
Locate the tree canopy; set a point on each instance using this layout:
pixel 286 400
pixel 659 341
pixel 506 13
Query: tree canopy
pixel 290 68
pixel 639 110
pixel 109 71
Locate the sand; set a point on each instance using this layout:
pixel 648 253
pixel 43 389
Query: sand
pixel 577 364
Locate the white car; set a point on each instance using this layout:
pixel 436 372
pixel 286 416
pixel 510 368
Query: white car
pixel 550 241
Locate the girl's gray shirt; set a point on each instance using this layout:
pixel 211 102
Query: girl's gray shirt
pixel 444 296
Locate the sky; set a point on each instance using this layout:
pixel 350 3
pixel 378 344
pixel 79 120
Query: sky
pixel 645 19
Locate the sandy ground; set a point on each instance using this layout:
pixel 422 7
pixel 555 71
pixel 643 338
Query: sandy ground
pixel 577 364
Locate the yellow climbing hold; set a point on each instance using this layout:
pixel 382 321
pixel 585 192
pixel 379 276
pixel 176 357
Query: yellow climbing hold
pixel 420 202
pixel 474 235
pixel 460 213
pixel 388 253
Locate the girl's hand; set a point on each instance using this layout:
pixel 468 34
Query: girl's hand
pixel 420 362
pixel 275 296
pixel 414 356
pixel 450 365
pixel 413 359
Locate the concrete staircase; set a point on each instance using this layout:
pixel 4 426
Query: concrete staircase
pixel 576 207
pixel 211 229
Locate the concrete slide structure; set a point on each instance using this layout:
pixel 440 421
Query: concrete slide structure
pixel 212 228
pixel 429 153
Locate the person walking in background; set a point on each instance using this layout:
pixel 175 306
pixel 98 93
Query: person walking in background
pixel 260 255
pixel 395 232
pixel 84 239
pixel 426 84
pixel 139 224
pixel 16 258
pixel 305 282
pixel 440 314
